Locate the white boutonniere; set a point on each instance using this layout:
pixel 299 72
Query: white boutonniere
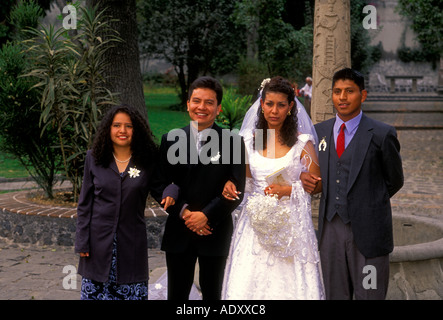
pixel 134 172
pixel 216 157
pixel 322 146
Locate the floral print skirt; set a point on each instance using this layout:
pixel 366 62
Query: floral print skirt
pixel 110 290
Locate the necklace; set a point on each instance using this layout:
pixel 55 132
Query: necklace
pixel 120 161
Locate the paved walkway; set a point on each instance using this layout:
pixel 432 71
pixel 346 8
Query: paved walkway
pixel 30 271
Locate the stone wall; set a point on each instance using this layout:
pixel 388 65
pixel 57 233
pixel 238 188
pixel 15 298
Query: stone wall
pixel 42 230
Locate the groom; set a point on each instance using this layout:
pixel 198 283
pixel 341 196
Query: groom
pixel 361 169
pixel 195 163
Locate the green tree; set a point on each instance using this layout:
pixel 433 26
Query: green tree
pixel 19 106
pixel 197 37
pixel 9 30
pixel 277 43
pixel 284 38
pixel 427 22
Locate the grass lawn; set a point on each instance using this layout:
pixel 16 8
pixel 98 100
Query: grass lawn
pixel 11 168
pixel 161 118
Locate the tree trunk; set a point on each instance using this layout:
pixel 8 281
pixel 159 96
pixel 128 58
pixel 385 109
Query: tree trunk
pixel 252 36
pixel 183 85
pixel 124 70
pixel 440 77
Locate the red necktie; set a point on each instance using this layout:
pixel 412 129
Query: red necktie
pixel 341 140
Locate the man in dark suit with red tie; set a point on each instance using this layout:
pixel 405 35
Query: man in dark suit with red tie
pixel 195 163
pixel 361 169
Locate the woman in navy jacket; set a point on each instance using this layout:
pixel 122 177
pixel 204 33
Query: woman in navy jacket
pixel 111 232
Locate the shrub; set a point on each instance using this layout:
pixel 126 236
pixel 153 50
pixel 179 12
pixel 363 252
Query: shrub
pixel 234 108
pixel 20 112
pixel 70 85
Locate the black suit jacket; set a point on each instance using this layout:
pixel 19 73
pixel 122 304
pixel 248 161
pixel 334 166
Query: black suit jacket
pixel 201 186
pixel 113 204
pixel 376 174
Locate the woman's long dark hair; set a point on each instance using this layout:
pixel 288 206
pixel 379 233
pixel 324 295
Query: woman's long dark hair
pixel 288 131
pixel 144 149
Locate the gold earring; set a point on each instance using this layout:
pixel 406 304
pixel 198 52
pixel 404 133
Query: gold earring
pixel 262 111
pixel 289 113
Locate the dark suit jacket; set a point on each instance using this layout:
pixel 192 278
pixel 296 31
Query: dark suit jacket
pixel 110 204
pixel 201 187
pixel 376 174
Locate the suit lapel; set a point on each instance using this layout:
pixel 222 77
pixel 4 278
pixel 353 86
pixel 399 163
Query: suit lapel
pixel 323 155
pixel 362 138
pixel 191 149
pixel 218 142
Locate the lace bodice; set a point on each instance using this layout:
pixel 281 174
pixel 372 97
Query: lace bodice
pixel 261 166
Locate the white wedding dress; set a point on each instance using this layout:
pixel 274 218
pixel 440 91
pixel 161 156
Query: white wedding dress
pixel 291 271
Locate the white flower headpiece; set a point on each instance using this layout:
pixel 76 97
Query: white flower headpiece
pixel 264 82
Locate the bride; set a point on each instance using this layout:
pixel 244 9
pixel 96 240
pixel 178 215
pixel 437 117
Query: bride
pixel 273 253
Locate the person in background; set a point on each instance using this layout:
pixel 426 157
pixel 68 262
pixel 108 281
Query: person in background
pixel 306 92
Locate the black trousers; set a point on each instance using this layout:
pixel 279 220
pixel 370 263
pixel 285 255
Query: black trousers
pixel 181 269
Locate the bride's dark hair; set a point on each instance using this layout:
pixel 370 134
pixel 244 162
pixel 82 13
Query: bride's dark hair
pixel 144 149
pixel 288 132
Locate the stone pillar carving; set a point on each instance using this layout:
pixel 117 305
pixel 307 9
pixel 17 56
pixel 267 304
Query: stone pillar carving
pixel 331 52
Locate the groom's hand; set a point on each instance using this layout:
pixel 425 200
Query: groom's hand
pixel 310 182
pixel 196 221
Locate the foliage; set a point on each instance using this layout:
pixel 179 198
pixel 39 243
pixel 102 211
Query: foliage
pixel 196 36
pixel 70 85
pixel 285 45
pixel 234 108
pixel 251 73
pixel 283 49
pixel 286 51
pixel 19 121
pixel 427 22
pixel 9 29
pixel 363 55
pixel 23 16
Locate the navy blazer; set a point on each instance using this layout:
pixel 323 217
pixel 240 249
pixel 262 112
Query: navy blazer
pixel 201 187
pixel 111 204
pixel 376 174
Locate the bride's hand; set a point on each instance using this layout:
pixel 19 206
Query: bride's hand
pixel 230 191
pixel 279 190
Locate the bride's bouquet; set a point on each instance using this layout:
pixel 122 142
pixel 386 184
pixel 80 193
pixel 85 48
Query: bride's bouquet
pixel 271 222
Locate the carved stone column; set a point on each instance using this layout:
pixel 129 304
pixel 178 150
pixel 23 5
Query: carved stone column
pixel 332 52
